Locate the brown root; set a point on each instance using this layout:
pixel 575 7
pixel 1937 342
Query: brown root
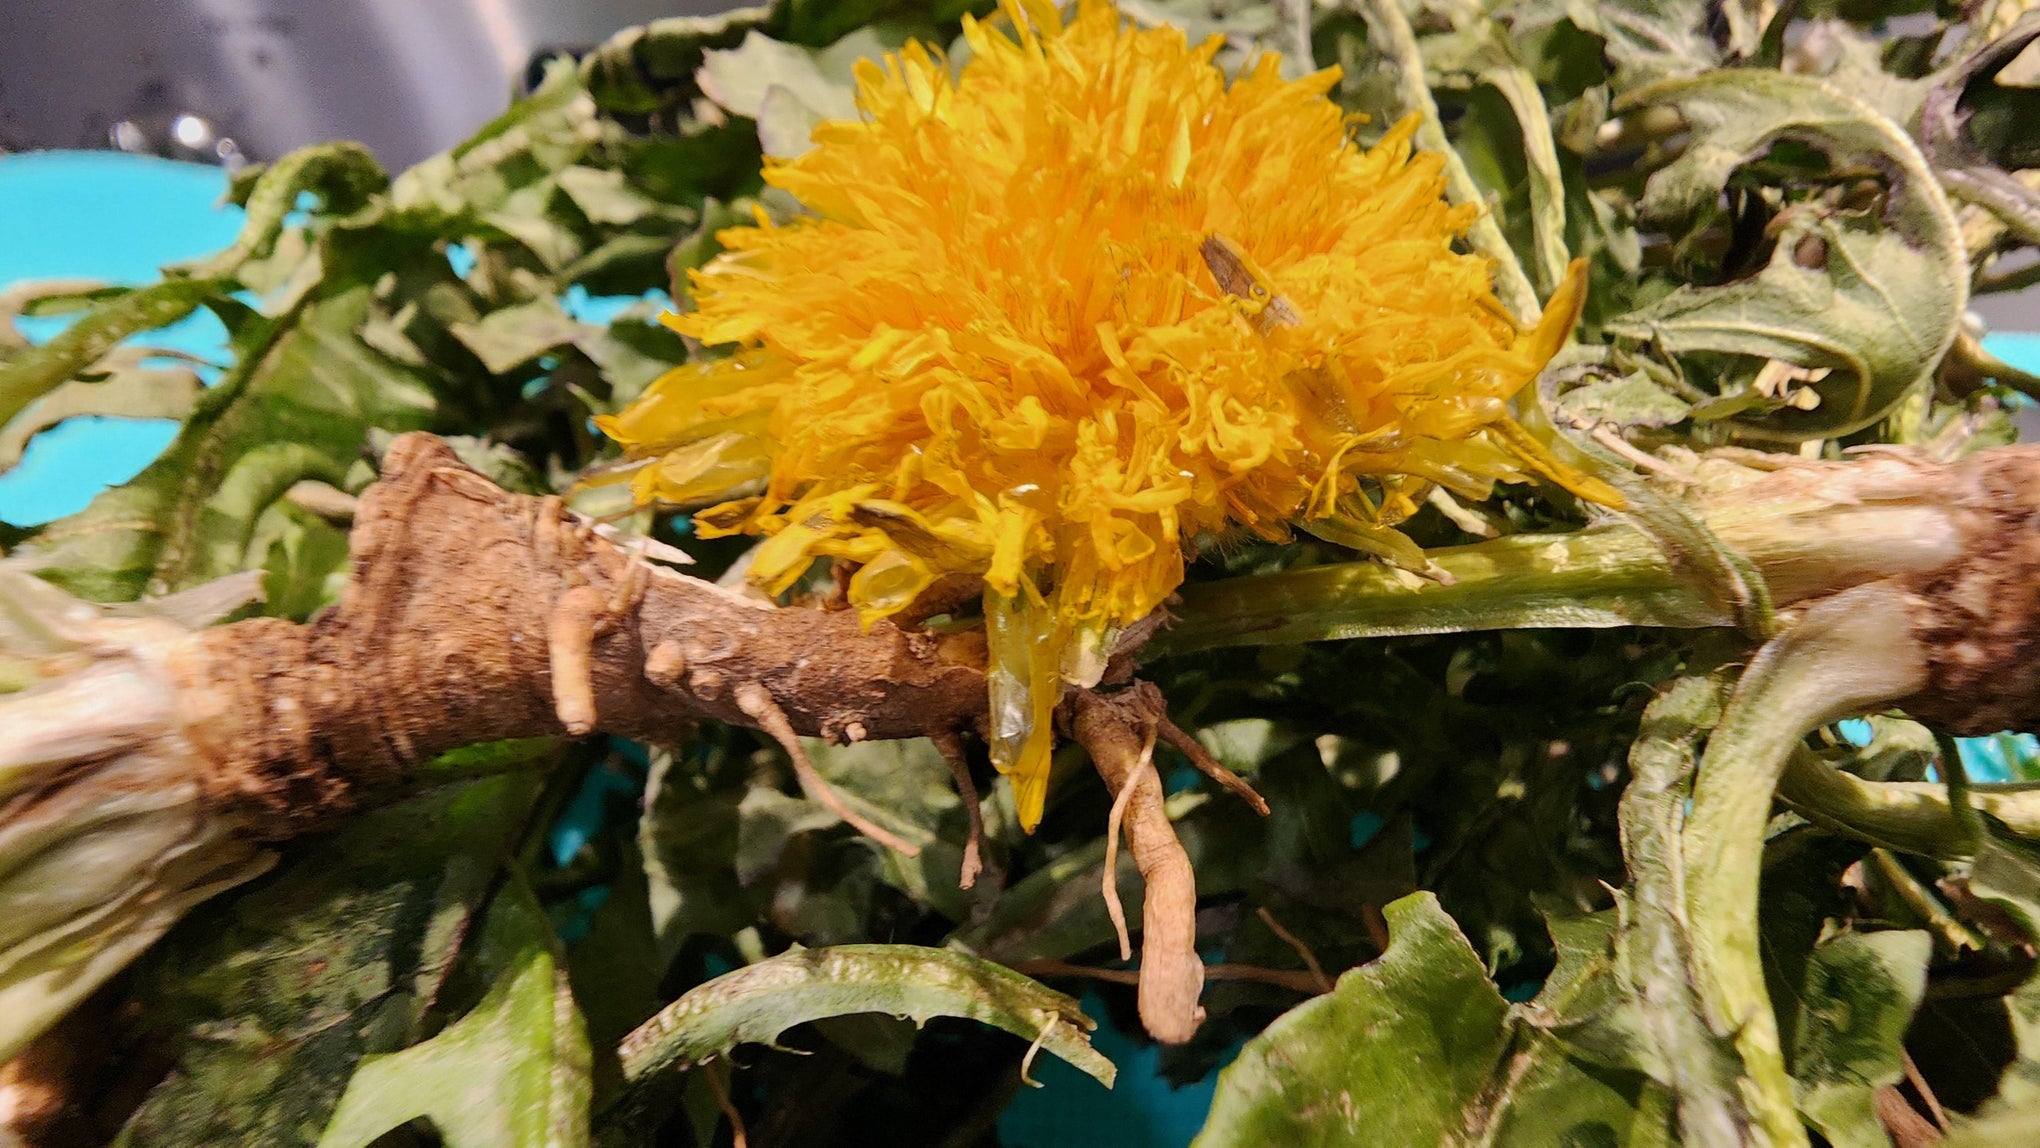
pixel 476 615
pixel 1291 979
pixel 1978 619
pixel 759 706
pixel 1310 961
pixel 1209 766
pixel 1111 727
pixel 570 639
pixel 951 746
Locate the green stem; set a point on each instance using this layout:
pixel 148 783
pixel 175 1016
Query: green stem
pixel 1850 653
pixel 1960 799
pixel 1655 954
pixel 1908 817
pixel 1956 937
pixel 1592 578
pixel 1802 543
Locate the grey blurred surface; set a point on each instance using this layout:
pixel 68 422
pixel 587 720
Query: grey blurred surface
pixel 405 77
pixel 2017 311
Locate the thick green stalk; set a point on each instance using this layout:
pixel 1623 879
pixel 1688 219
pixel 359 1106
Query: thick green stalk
pixel 1908 816
pixel 1809 531
pixel 1655 950
pixel 1851 652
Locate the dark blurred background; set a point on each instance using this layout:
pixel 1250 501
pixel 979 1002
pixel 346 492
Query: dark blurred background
pixel 222 80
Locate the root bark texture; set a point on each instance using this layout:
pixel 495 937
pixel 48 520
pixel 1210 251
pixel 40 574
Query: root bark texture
pixel 475 615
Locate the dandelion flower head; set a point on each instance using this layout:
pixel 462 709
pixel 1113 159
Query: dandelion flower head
pixel 1056 315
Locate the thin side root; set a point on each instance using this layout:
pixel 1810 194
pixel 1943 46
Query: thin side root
pixel 1113 822
pixel 1209 766
pixel 570 645
pixel 753 699
pixel 1310 961
pixel 951 746
pixel 628 592
pixel 1027 1061
pixel 719 1084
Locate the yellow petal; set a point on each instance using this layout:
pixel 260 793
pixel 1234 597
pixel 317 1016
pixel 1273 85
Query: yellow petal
pixel 1053 316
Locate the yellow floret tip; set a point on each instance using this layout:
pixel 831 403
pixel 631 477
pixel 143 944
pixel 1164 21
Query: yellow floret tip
pixel 1057 315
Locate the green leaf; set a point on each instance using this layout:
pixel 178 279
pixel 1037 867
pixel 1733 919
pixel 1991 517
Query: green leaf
pixel 1869 301
pixel 1479 51
pixel 297 404
pixel 1588 1001
pixel 124 388
pixel 343 175
pixel 39 370
pixel 512 1073
pixel 689 836
pixel 1417 1048
pixel 1247 29
pixel 1646 40
pixel 304 561
pixel 758 1003
pixel 604 195
pixel 617 967
pixel 768 819
pixel 644 69
pixel 504 173
pixel 270 997
pixel 509 337
pixel 789 89
pixel 904 787
pixel 1630 400
pixel 1655 952
pixel 2007 871
pixel 1973 128
pixel 1859 995
pixel 632 352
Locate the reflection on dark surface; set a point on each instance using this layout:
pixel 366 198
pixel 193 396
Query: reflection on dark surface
pixel 184 77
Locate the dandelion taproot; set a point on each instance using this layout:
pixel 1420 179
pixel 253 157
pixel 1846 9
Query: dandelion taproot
pixel 1055 315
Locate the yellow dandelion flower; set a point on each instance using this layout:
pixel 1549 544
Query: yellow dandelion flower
pixel 1057 314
